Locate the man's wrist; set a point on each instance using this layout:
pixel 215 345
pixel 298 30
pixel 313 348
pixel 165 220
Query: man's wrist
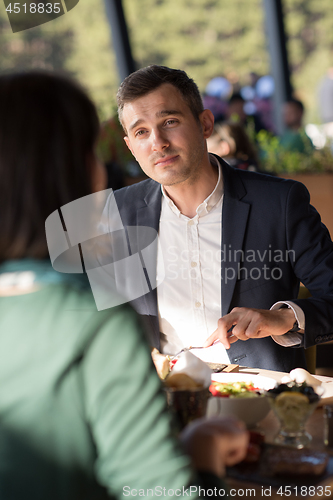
pixel 290 317
pixel 298 316
pixel 295 328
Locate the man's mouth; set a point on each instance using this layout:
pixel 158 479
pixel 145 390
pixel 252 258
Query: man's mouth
pixel 166 160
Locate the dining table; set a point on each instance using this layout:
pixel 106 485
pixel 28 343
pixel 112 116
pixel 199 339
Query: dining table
pixel 251 480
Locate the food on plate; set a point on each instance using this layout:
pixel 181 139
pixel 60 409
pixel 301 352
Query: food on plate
pixel 161 362
pixel 182 382
pixel 249 406
pixel 234 389
pixel 173 362
pixel 293 403
pixel 285 460
pixel 164 364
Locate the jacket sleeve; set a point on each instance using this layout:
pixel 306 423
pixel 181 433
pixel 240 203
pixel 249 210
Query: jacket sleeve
pixel 312 249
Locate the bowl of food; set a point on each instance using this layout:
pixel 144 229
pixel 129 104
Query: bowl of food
pixel 241 395
pixel 187 403
pixel 186 387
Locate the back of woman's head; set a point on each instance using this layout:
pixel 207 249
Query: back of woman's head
pixel 48 129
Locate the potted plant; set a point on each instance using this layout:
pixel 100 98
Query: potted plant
pixel 313 167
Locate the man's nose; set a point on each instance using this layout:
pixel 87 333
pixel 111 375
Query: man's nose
pixel 159 140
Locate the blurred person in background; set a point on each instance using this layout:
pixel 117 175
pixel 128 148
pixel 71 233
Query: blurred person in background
pixel 263 101
pixel 294 138
pixel 111 152
pixel 236 112
pixel 325 98
pixel 82 413
pixel 235 109
pixel 216 95
pixel 230 141
pixel 120 165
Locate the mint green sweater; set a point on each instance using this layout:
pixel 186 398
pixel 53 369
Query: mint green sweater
pixel 82 414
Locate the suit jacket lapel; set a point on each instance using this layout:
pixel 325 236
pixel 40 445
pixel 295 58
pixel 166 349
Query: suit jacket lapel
pixel 149 215
pixel 234 220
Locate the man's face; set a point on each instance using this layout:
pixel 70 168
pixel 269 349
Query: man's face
pixel 165 138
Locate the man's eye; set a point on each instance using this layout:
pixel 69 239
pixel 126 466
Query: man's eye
pixel 172 121
pixel 139 132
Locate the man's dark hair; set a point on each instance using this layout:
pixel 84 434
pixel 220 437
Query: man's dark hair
pixel 148 79
pixel 48 130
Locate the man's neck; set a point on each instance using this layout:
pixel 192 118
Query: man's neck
pixel 188 196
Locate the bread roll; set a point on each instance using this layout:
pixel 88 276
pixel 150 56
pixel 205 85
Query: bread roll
pixel 161 362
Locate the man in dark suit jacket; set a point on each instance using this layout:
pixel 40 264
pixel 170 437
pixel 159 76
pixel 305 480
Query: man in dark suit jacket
pixel 271 237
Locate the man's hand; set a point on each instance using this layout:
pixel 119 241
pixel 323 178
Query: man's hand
pixel 243 324
pixel 215 443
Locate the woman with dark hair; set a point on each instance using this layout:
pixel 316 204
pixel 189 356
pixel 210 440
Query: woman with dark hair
pixel 230 141
pixel 82 414
pixel 48 132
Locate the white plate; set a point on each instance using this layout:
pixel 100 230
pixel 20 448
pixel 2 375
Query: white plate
pixel 327 385
pixel 258 380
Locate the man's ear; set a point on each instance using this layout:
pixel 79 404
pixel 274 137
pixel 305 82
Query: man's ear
pixel 128 144
pixel 207 122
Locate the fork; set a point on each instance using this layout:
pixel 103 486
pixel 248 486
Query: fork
pixel 189 348
pixel 185 349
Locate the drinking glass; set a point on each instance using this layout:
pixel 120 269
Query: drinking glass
pixel 293 408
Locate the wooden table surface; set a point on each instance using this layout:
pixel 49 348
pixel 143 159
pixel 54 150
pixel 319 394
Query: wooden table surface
pixel 269 426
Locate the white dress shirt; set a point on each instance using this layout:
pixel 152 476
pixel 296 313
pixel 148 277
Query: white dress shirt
pixel 189 296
